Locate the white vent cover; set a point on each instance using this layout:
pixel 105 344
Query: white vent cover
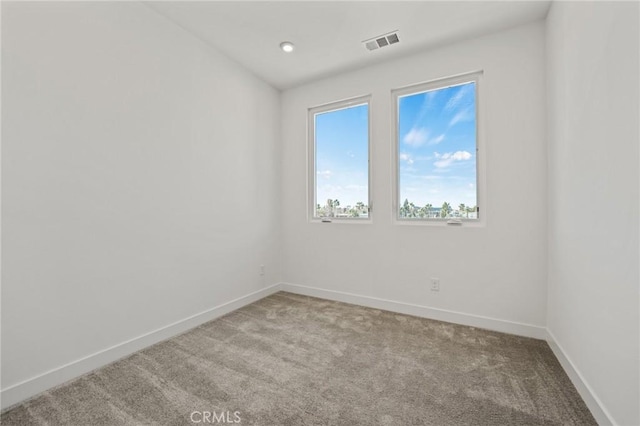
pixel 382 40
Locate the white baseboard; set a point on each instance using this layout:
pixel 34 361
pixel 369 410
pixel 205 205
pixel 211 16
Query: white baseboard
pixel 24 390
pixel 599 412
pixel 494 324
pixel 602 416
pixel 31 387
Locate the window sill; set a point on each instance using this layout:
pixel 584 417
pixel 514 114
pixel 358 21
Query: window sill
pixel 469 223
pixel 342 221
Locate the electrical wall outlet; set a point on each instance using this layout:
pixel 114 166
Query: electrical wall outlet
pixel 435 284
pixel 261 270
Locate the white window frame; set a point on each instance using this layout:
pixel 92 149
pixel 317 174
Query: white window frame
pixel 441 83
pixel 311 155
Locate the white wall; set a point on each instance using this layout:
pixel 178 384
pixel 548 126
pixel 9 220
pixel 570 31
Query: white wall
pixel 139 179
pixel 497 271
pixel 593 197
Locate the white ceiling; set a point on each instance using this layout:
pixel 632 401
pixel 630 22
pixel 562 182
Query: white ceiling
pixel 328 34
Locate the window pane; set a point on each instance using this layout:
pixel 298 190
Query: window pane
pixel 342 162
pixel 437 153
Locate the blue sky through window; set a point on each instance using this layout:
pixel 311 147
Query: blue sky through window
pixel 342 155
pixel 436 150
pixel 437 147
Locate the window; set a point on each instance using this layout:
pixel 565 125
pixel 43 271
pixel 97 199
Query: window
pixel 436 150
pixel 339 160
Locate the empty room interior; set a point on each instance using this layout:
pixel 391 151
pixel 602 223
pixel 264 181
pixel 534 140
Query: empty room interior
pixel 316 212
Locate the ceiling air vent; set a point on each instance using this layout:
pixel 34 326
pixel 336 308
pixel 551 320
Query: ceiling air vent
pixel 382 40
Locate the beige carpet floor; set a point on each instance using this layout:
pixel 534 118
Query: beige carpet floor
pixel 295 360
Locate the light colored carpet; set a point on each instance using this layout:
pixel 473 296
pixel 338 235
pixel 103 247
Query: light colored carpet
pixel 295 360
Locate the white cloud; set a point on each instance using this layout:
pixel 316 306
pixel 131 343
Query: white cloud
pixel 330 188
pixel 426 104
pixel 461 155
pixel 406 157
pixel 347 193
pixel 416 137
pixel 464 115
pixel 356 187
pixel 436 140
pixel 325 174
pixel 445 160
pixel 459 97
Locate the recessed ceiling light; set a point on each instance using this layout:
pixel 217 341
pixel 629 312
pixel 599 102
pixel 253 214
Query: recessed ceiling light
pixel 287 46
